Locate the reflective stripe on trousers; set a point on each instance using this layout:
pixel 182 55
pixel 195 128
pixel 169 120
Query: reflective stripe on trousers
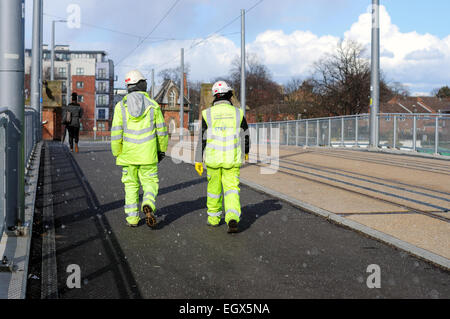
pixel 228 180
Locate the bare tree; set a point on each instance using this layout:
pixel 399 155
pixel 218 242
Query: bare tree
pixel 342 81
pixel 174 73
pixel 399 89
pixel 260 88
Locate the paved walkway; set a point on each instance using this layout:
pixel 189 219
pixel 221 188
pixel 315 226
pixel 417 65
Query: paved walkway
pixel 280 252
pixel 404 198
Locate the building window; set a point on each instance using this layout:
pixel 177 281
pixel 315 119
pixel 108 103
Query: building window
pixel 80 84
pixel 80 71
pixel 62 72
pixel 101 116
pixel 80 98
pixel 102 100
pixel 102 73
pixel 102 87
pixel 172 98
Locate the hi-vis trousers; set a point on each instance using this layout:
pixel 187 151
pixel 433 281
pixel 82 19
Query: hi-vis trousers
pixel 228 180
pixel 147 176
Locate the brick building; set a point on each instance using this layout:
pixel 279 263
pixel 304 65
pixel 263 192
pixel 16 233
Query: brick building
pixel 168 97
pixel 88 73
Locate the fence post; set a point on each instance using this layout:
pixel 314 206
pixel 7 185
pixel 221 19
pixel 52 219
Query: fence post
pixel 356 130
pixel 436 135
pixel 296 133
pixel 306 133
pixel 342 131
pixel 414 132
pixel 395 132
pixel 287 133
pixel 317 133
pixel 3 174
pixel 329 132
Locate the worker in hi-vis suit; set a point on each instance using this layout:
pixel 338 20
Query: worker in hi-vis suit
pixel 139 139
pixel 223 141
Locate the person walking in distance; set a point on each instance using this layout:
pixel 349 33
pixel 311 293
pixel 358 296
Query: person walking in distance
pixel 223 142
pixel 139 139
pixel 72 115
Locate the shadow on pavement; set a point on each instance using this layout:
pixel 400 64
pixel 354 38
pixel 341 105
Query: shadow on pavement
pixel 93 214
pixel 251 213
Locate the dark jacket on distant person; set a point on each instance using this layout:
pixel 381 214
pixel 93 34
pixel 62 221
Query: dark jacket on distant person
pixel 77 113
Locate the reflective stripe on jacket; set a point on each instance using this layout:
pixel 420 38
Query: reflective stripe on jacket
pixel 223 144
pixel 136 140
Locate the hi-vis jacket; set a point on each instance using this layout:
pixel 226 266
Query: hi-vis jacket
pixel 223 141
pixel 138 130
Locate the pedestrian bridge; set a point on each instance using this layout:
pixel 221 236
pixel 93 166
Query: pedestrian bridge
pixel 310 228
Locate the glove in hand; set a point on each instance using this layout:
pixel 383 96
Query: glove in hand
pixel 199 168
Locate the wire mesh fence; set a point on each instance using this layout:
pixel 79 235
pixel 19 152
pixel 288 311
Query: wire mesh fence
pixel 427 133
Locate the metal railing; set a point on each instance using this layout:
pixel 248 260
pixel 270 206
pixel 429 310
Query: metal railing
pixel 30 139
pixel 429 133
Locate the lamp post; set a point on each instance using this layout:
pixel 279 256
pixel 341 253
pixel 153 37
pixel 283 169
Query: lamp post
pixel 52 66
pixel 375 74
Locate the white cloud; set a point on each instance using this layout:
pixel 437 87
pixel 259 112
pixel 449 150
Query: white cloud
pixel 406 57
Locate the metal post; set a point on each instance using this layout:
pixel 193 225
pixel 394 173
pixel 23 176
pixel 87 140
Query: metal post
pixel 41 39
pixel 12 14
pixel 52 57
pixel 356 131
pixel 52 65
pixel 375 73
pixel 243 61
pixel 317 133
pixel 296 133
pixel 35 97
pixel 189 105
pixel 395 132
pixel 329 132
pixel 287 133
pixel 182 95
pixel 414 132
pixel 68 84
pixel 436 135
pixel 342 131
pixel 306 133
pixel 153 84
pixel 95 116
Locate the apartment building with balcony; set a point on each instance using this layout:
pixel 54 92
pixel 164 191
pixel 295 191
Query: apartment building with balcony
pixel 87 72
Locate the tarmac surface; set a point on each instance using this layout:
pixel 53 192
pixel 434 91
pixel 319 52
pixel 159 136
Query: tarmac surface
pixel 279 252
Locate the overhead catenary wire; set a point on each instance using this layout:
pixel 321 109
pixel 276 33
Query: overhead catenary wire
pixel 211 35
pixel 150 33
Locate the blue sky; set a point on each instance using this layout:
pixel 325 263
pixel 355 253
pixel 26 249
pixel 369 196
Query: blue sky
pixel 286 35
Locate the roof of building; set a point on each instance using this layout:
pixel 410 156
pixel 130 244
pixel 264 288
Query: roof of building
pixel 161 94
pixel 415 105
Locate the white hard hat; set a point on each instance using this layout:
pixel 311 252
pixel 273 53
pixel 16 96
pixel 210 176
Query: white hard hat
pixel 220 87
pixel 133 77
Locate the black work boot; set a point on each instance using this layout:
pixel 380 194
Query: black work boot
pixel 232 226
pixel 150 218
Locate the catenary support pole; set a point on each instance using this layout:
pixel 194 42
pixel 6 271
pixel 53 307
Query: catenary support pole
pixel 36 64
pixel 153 84
pixel 182 95
pixel 12 14
pixel 52 54
pixel 41 69
pixel 375 73
pixel 243 61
